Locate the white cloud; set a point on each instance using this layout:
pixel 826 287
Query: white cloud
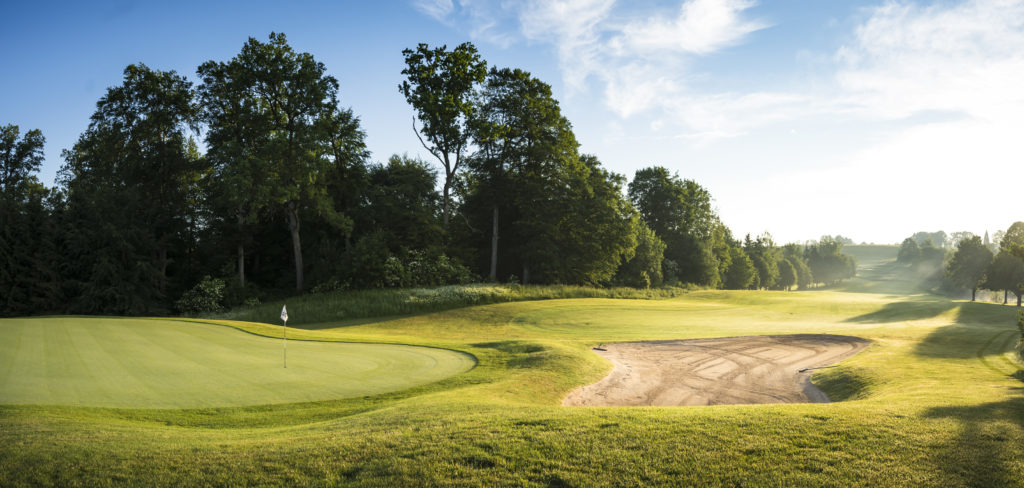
pixel 967 58
pixel 438 9
pixel 702 27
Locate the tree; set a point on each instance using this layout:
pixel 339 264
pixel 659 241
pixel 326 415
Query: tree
pixel 644 269
pixel 30 279
pixel 680 213
pixel 402 203
pixel 128 180
pixel 1006 273
pixel 741 273
pixel 909 252
pixel 439 84
pixel 273 118
pixel 827 262
pixel 787 274
pixel 967 266
pixel 765 256
pixel 528 173
pixel 796 256
pixel 19 159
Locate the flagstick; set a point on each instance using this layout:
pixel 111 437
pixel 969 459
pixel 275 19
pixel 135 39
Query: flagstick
pixel 284 335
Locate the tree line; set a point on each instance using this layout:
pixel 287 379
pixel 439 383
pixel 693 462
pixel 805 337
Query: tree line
pixel 971 262
pixel 282 194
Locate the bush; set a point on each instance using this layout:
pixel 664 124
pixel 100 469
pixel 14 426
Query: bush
pixel 207 296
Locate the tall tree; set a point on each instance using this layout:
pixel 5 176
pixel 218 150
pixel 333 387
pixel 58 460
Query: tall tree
pixel 439 85
pixel 29 275
pixel 273 111
pixel 680 213
pixel 128 184
pixel 967 266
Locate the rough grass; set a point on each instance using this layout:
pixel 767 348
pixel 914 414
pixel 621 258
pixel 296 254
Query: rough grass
pixel 932 402
pixel 351 305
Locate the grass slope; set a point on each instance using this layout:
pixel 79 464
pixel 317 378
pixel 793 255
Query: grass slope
pixel 934 401
pixel 140 363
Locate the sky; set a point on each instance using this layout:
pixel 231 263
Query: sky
pixel 869 119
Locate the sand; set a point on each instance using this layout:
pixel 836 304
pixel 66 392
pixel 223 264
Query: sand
pixel 722 371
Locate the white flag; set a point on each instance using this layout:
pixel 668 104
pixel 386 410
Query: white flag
pixel 284 313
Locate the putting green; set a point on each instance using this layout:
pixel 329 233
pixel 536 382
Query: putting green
pixel 152 363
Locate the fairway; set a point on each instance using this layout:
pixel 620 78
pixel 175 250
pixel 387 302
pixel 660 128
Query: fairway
pixel 151 363
pixel 935 399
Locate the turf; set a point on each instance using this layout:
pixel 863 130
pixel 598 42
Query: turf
pixel 936 400
pixel 139 363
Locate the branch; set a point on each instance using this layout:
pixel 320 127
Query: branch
pixel 425 146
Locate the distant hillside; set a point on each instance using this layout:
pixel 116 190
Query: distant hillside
pixel 872 254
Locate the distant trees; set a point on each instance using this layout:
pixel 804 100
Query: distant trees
pixel 680 213
pixel 967 266
pixel 827 262
pixel 1005 273
pixel 909 252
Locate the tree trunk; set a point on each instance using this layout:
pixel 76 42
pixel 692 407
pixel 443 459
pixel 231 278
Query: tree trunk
pixel 446 201
pixel 526 274
pixel 241 250
pixel 974 292
pixel 293 224
pixel 494 247
pixel 1018 301
pixel 1006 295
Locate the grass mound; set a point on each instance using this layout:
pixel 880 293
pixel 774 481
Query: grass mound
pixel 349 305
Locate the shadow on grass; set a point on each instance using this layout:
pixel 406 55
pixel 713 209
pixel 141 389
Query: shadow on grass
pixel 979 330
pixel 910 308
pixel 989 445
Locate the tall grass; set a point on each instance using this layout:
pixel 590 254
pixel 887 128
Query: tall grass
pixel 342 306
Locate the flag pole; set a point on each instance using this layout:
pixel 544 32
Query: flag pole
pixel 284 319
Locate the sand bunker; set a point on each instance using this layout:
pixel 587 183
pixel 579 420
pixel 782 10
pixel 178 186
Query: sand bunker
pixel 731 370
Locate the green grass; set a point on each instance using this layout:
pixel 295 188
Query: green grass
pixel 934 401
pixel 140 363
pixel 351 306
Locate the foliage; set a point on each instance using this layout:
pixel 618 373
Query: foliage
pixel 741 273
pixel 828 264
pixel 274 122
pixel 765 256
pixel 644 269
pixel 205 297
pixel 787 274
pixel 438 85
pixel 967 266
pixel 344 305
pixel 680 213
pixel 1005 273
pixel 909 253
pixel 127 181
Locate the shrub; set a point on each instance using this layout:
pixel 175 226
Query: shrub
pixel 207 296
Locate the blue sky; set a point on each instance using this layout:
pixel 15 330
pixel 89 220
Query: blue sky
pixel 873 119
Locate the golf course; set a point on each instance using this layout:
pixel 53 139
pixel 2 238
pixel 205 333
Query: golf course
pixel 473 396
